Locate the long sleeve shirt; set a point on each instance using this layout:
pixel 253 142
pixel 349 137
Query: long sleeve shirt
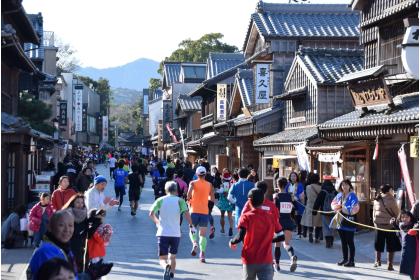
pixel 95 199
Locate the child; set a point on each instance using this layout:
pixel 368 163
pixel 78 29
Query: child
pixel 256 230
pixel 99 238
pixel 405 223
pixel 39 217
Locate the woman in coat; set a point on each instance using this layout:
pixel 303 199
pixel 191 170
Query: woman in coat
pixel 39 217
pixel 385 208
pixel 295 188
pixel 84 180
pixel 308 220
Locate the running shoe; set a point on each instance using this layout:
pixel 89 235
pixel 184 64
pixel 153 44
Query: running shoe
pixel 194 250
pixel 298 237
pixel 212 231
pixel 172 275
pixel 276 267
pixel 230 232
pixel 202 258
pixel 167 273
pixel 293 263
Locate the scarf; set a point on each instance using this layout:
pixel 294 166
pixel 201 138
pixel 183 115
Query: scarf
pixel 79 215
pixel 49 237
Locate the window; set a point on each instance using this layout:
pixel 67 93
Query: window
pixel 285 166
pixel 11 170
pixel 299 106
pixel 356 170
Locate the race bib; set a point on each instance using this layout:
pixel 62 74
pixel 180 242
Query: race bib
pixel 286 207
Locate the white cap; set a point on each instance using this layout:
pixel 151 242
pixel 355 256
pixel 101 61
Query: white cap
pixel 201 170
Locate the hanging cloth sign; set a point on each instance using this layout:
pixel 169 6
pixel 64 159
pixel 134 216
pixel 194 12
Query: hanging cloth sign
pixel 406 175
pixel 302 157
pixel 329 157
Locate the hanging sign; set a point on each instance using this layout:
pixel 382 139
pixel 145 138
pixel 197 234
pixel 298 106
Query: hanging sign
pixel 105 128
pixel 414 146
pixel 84 117
pixel 406 174
pixel 369 93
pixel 221 102
pixel 302 157
pixel 166 119
pixel 262 84
pixel 329 157
pixel 63 113
pixel 78 107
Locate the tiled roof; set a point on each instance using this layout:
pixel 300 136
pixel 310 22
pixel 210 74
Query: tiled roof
pixel 242 119
pixel 406 111
pixel 219 62
pixel 244 79
pixel 288 136
pixel 188 103
pixel 10 124
pixel 305 20
pixel 329 65
pixel 171 71
pixel 369 72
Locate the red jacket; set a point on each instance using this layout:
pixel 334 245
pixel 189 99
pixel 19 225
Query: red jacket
pixel 60 197
pixel 273 210
pixel 96 246
pixel 35 216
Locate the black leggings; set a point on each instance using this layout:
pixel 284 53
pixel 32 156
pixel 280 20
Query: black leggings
pixel 298 218
pixel 347 243
pixel 120 193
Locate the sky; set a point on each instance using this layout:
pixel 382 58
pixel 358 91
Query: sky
pixel 109 33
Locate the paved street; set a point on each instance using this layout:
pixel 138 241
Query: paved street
pixel 133 250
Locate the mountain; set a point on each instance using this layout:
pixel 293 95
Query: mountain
pixel 134 75
pixel 125 96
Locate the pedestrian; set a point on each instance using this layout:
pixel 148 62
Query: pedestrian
pixel 284 203
pixel 83 180
pixel 238 193
pixel 223 203
pixel 76 206
pixel 188 172
pixel 100 238
pixel 56 269
pixel 256 229
pixel 385 208
pixel 179 174
pixel 121 178
pixel 71 173
pixel 159 180
pixel 95 197
pixel 346 204
pixel 62 194
pixel 10 228
pixel 61 171
pixel 170 208
pixel 199 193
pixel 323 202
pixel 253 176
pixel 308 219
pixel 295 188
pixel 39 217
pixel 135 180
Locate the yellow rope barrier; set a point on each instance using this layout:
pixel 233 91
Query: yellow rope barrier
pixel 353 222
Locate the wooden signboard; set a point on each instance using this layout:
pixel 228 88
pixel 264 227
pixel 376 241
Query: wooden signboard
pixel 369 93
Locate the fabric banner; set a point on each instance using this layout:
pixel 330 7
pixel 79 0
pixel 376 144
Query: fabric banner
pixel 63 113
pixel 262 84
pixel 221 102
pixel 302 156
pixel 406 175
pixel 105 128
pixel 78 107
pixel 329 157
pixel 168 127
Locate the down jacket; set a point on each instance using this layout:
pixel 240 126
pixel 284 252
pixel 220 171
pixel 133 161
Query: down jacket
pixel 35 216
pixel 385 208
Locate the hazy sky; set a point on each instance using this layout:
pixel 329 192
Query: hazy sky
pixel 109 33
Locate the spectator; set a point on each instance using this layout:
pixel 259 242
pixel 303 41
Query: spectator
pixel 101 236
pixel 55 269
pixel 61 171
pixel 39 217
pixel 95 197
pixel 308 219
pixel 11 227
pixel 84 179
pixel 296 189
pixel 253 176
pixel 62 194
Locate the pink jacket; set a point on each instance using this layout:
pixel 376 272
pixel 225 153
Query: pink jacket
pixel 35 216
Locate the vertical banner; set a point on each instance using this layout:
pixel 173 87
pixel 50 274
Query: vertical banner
pixel 166 119
pixel 84 117
pixel 262 84
pixel 63 113
pixel 183 144
pixel 105 128
pixel 302 157
pixel 414 146
pixel 221 102
pixel 145 104
pixel 406 175
pixel 78 107
pixel 168 127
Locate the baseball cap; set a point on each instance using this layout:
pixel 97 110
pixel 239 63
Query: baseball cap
pixel 201 170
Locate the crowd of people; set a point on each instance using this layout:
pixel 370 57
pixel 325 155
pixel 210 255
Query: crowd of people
pixel 69 229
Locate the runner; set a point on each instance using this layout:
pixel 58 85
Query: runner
pixel 284 202
pixel 238 193
pixel 120 177
pixel 223 204
pixel 170 208
pixel 198 195
pixel 136 181
pixel 256 230
pixel 112 163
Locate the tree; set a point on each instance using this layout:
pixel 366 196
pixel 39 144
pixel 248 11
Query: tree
pixel 103 88
pixel 154 84
pixel 66 55
pixel 35 112
pixel 198 50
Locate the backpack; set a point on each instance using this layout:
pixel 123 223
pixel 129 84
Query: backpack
pixel 329 197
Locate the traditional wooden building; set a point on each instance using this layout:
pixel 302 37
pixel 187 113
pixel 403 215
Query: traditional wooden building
pixel 311 96
pixel 385 97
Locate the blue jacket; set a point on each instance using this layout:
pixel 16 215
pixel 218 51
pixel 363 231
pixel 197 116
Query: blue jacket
pixel 119 177
pixel 299 207
pixel 239 192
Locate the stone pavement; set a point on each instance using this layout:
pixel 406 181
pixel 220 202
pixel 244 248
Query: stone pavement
pixel 14 263
pixel 133 250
